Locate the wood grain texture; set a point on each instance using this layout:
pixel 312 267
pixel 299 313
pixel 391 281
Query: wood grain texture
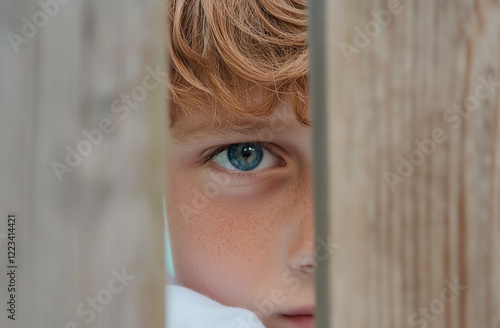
pixel 414 150
pixel 76 233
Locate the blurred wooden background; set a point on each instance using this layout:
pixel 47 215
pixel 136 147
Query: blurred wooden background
pixel 413 144
pixel 81 158
pixel 413 90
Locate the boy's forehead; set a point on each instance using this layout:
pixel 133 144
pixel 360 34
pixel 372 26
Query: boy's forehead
pixel 191 127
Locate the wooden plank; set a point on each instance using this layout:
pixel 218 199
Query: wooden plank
pixel 413 111
pixel 81 165
pixel 320 154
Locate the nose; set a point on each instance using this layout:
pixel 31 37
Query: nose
pixel 301 247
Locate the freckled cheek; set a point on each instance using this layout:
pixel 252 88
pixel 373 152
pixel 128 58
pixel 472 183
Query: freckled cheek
pixel 221 224
pixel 235 251
pixel 226 243
pixel 223 231
pixel 230 233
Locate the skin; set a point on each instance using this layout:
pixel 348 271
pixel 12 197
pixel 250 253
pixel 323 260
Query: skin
pixel 243 238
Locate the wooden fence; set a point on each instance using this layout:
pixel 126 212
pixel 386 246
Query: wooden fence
pixel 411 140
pixel 82 144
pixel 411 96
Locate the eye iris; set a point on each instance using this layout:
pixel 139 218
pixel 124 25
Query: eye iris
pixel 245 156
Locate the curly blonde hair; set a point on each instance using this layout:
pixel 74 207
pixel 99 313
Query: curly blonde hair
pixel 245 56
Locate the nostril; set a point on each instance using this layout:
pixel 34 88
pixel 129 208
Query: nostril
pixel 303 262
pixel 308 264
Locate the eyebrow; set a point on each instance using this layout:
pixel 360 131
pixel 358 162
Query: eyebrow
pixel 186 134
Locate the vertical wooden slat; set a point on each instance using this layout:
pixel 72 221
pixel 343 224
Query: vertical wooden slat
pixel 413 147
pixel 100 216
pixel 320 161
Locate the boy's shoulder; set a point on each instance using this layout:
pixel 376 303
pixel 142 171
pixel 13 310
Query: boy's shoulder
pixel 189 309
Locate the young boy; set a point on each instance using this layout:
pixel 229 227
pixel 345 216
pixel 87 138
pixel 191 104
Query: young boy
pixel 239 189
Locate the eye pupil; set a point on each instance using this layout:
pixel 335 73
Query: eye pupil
pixel 246 152
pixel 245 156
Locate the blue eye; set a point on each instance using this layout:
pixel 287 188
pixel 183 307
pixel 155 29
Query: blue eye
pixel 245 157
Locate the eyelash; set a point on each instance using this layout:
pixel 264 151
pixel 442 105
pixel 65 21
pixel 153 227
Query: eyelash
pixel 220 149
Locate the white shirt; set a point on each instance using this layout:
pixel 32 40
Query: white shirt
pixel 189 309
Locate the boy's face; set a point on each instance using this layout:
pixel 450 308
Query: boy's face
pixel 240 216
